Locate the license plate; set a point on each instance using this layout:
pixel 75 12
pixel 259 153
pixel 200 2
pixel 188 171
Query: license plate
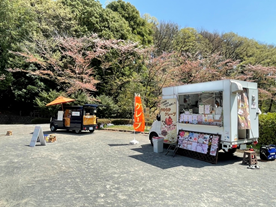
pixel 90 128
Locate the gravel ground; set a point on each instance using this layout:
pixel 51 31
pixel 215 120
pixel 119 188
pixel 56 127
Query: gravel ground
pixel 102 170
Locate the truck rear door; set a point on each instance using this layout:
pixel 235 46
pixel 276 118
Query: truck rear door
pixel 254 115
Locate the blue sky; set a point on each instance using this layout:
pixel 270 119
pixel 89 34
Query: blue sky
pixel 254 19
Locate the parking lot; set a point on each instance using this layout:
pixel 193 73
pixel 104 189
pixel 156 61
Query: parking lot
pixel 102 169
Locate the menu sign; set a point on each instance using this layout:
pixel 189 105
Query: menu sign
pixel 169 120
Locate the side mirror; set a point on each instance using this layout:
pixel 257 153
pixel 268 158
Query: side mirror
pixel 158 117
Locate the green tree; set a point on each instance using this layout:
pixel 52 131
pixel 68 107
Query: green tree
pixel 52 17
pixel 163 37
pixel 254 53
pixel 150 19
pixel 92 18
pixel 187 40
pixel 17 22
pixel 108 108
pixel 118 66
pixel 141 30
pixel 45 97
pixel 211 43
pixel 232 46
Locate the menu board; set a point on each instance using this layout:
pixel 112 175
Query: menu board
pixel 168 120
pixel 199 142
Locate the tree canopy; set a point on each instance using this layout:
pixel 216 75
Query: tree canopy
pixel 94 54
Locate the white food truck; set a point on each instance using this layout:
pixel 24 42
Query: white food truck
pixel 228 108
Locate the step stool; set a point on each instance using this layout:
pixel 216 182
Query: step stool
pixel 172 148
pixel 250 158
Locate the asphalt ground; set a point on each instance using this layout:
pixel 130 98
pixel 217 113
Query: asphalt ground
pixel 103 170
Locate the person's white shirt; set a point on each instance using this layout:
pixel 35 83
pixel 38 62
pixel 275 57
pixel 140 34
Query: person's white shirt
pixel 218 110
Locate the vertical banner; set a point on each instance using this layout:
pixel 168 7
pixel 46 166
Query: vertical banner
pixel 139 122
pixel 169 120
pixel 243 111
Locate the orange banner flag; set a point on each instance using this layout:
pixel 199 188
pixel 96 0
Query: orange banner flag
pixel 139 122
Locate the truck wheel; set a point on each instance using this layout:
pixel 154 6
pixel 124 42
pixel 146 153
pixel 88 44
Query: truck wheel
pixel 53 128
pixel 77 131
pixel 153 134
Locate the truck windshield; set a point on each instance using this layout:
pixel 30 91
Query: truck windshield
pixel 90 111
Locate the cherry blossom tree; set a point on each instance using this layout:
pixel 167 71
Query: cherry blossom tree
pixel 175 69
pixel 67 61
pixel 2 77
pixel 266 79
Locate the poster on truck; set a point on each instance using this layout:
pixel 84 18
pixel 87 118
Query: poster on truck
pixel 169 120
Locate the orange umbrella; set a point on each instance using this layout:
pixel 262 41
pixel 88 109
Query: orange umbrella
pixel 60 100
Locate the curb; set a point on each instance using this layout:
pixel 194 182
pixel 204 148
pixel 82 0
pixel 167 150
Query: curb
pixel 107 129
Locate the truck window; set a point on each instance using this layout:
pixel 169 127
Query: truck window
pixel 201 108
pixel 90 111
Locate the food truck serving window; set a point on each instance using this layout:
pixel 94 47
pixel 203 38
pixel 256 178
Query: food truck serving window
pixel 201 108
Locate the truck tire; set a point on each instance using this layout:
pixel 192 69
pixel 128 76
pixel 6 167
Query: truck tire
pixel 153 134
pixel 53 128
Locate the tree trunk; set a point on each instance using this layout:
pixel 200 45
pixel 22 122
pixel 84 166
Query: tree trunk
pixel 270 105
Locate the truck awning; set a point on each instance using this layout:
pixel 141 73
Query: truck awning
pixel 236 87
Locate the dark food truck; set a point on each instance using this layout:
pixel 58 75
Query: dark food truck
pixel 75 118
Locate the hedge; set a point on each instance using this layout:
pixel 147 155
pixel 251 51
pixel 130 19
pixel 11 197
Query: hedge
pixel 40 120
pixel 267 127
pixel 118 121
pixel 103 121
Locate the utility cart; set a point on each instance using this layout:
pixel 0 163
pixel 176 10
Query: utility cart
pixel 75 118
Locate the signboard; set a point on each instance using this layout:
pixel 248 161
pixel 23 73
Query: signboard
pixel 60 115
pixel 75 113
pixel 169 120
pixel 38 133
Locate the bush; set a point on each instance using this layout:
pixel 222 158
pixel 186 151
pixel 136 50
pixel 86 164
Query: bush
pixel 267 127
pixel 40 120
pixel 149 122
pixel 120 121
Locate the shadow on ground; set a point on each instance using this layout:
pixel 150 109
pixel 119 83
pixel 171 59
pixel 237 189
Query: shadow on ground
pixel 163 161
pixel 65 132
